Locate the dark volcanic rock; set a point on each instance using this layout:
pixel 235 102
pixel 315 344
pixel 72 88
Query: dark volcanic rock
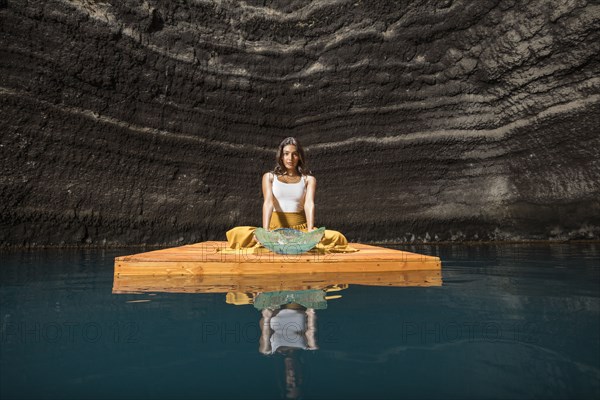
pixel 127 122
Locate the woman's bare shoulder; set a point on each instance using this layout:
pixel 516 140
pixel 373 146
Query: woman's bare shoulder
pixel 311 179
pixel 268 175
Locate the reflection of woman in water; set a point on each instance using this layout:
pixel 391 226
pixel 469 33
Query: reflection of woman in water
pixel 288 325
pixel 286 331
pixel 288 192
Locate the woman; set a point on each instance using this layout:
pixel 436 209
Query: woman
pixel 289 194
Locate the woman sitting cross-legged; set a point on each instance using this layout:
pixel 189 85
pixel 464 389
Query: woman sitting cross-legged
pixel 289 193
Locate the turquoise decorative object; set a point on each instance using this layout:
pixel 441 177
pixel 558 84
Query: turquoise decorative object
pixel 289 241
pixel 312 298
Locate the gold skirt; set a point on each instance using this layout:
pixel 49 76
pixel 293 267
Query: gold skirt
pixel 242 237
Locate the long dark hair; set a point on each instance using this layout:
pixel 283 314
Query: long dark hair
pixel 280 168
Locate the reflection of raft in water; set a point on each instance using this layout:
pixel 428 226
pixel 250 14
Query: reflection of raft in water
pixel 205 258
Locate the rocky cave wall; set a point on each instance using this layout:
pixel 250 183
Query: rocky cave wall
pixel 130 122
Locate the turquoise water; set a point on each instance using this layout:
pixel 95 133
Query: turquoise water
pixel 507 322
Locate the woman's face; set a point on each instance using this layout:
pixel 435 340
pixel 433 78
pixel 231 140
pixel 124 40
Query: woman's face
pixel 290 157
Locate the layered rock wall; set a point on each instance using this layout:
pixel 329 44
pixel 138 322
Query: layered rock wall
pixel 129 122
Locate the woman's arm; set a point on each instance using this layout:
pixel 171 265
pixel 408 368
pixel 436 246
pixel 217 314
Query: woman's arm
pixel 264 344
pixel 309 202
pixel 311 328
pixel 268 200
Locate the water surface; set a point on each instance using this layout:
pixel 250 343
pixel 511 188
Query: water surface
pixel 506 322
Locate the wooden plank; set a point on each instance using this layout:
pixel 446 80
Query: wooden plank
pixel 270 283
pixel 204 258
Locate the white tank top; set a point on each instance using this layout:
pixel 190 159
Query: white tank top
pixel 289 328
pixel 288 197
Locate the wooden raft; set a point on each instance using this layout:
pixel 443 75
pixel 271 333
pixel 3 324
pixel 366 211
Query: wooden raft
pixel 272 283
pixel 205 259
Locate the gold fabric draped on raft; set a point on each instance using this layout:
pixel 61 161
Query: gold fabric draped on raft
pixel 241 238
